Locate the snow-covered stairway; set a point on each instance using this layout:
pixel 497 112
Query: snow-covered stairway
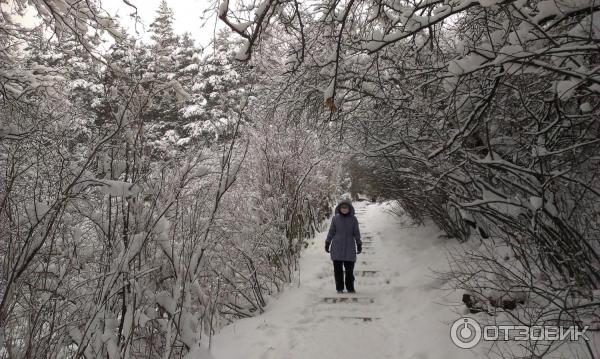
pixel 398 310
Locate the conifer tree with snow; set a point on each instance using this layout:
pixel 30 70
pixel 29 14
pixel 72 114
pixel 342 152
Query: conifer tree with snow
pixel 162 75
pixel 218 90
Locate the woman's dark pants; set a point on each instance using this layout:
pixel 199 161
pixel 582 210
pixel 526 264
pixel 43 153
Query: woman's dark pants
pixel 338 273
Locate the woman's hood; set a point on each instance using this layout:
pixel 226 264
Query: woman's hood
pixel 349 203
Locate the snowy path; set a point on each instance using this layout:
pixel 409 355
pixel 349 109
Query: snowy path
pixel 398 310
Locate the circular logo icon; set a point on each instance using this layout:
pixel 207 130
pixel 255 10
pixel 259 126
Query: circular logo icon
pixel 465 333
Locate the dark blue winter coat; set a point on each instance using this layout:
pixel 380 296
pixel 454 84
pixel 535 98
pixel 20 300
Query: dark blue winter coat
pixel 343 234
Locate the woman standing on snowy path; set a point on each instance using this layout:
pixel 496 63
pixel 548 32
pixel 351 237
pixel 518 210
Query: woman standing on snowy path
pixel 343 234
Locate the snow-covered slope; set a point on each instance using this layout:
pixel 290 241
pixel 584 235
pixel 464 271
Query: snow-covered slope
pixel 400 310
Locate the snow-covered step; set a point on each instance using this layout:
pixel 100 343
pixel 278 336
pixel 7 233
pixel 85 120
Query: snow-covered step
pixel 345 310
pixel 357 317
pixel 370 281
pixel 366 273
pixel 327 273
pixel 344 299
pixel 356 314
pixel 362 309
pixel 365 268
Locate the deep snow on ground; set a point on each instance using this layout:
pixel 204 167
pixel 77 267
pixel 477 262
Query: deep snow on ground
pixel 411 314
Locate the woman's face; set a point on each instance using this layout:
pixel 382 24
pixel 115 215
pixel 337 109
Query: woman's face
pixel 344 209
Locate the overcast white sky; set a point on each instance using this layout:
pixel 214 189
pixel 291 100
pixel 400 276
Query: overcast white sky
pixel 187 17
